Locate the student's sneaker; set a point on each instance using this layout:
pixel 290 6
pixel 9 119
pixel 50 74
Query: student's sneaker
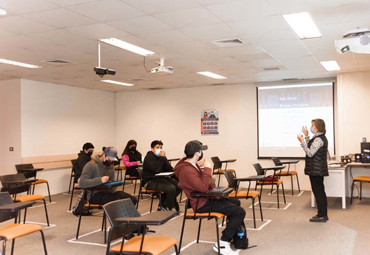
pixel 319 219
pixel 160 208
pixel 225 248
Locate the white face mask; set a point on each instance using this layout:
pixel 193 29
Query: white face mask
pixel 157 152
pixel 312 131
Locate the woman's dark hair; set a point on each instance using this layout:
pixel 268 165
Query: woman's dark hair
pixel 205 114
pixel 127 148
pixel 320 125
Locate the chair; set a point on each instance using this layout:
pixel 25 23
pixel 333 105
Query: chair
pixel 234 184
pixel 143 190
pixel 272 182
pixel 118 168
pixel 15 230
pixel 75 186
pixel 217 169
pixel 139 244
pixel 277 162
pixel 91 206
pixel 73 161
pixel 200 216
pixel 131 178
pixel 16 184
pixel 360 179
pixel 25 169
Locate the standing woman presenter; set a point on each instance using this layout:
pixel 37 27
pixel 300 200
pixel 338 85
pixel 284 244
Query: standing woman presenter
pixel 316 167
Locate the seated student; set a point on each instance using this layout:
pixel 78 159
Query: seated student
pixel 193 178
pixel 98 171
pixel 156 162
pixel 83 157
pixel 131 157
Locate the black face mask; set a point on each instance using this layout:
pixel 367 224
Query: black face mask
pixel 107 162
pixel 133 148
pixel 201 156
pixel 90 153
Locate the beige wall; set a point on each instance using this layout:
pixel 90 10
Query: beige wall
pixel 10 127
pixel 174 117
pixel 59 119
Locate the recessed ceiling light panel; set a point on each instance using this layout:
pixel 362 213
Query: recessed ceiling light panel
pixel 128 46
pixel 330 65
pixel 118 83
pixel 212 75
pixel 303 25
pixel 15 63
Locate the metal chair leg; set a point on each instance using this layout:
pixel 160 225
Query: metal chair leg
pixel 43 242
pixel 299 189
pixel 219 178
pixel 200 223
pixel 24 217
pixel 282 187
pixel 182 232
pixel 12 250
pixel 46 213
pixel 70 202
pixel 353 184
pixel 360 191
pixel 78 226
pixel 254 216
pixel 48 192
pixel 70 182
pixel 291 180
pixel 218 238
pixel 259 200
pixel 277 192
pixel 176 251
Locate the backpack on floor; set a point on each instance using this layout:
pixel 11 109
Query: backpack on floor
pixel 240 238
pixel 78 208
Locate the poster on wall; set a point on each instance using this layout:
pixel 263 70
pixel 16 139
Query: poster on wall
pixel 209 122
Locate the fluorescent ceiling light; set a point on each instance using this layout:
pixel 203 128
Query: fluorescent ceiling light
pixel 295 86
pixel 212 75
pixel 302 24
pixel 3 12
pixel 15 63
pixel 128 46
pixel 117 82
pixel 330 65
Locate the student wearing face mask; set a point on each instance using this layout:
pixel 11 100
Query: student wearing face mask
pixel 98 171
pixel 83 157
pixel 131 157
pixel 196 176
pixel 316 168
pixel 156 162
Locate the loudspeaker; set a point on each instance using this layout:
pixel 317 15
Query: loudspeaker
pixel 358 158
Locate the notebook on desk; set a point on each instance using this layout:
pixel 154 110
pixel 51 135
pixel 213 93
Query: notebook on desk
pixel 218 190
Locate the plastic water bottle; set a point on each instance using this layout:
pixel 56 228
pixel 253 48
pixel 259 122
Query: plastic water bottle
pixel 241 231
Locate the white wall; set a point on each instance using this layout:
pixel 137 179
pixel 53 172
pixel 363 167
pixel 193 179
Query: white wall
pixel 10 128
pixel 59 119
pixel 174 117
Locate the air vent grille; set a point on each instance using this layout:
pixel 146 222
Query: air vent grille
pixel 233 42
pixel 57 62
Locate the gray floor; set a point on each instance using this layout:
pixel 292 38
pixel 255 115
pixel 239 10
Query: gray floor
pixel 284 231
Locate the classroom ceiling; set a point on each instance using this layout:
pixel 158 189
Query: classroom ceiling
pixel 181 31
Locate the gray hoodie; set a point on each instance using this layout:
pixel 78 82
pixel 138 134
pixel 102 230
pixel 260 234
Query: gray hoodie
pixel 92 173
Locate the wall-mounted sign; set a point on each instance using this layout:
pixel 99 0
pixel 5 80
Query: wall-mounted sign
pixel 209 122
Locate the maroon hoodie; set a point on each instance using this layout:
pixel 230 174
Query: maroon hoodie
pixel 194 179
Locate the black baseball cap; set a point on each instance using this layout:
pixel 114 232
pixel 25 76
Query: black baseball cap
pixel 88 146
pixel 194 146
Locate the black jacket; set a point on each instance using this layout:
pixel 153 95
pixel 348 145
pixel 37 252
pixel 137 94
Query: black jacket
pixel 82 159
pixel 317 165
pixel 153 165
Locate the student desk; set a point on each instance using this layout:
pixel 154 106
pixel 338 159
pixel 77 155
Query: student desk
pixel 338 183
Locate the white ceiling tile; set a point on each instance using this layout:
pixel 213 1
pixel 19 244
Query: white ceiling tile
pixel 260 24
pixel 70 2
pixel 107 10
pixel 21 25
pixel 212 32
pixel 26 6
pixel 325 41
pixel 281 46
pixel 212 2
pixel 356 11
pixel 272 36
pixel 6 33
pixel 167 37
pixel 252 57
pixel 60 18
pixel 141 25
pixel 241 50
pixel 241 10
pixel 291 54
pixel 97 31
pixel 189 18
pixel 190 47
pixel 15 43
pixel 61 37
pixel 161 6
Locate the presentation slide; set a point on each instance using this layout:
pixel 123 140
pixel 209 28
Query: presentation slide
pixel 283 110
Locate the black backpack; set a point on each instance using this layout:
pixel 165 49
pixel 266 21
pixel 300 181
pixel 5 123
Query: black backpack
pixel 78 208
pixel 240 238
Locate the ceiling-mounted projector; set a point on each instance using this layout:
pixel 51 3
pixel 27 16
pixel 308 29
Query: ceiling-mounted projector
pixel 161 68
pixel 357 41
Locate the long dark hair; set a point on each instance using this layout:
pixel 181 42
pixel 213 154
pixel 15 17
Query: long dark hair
pixel 127 148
